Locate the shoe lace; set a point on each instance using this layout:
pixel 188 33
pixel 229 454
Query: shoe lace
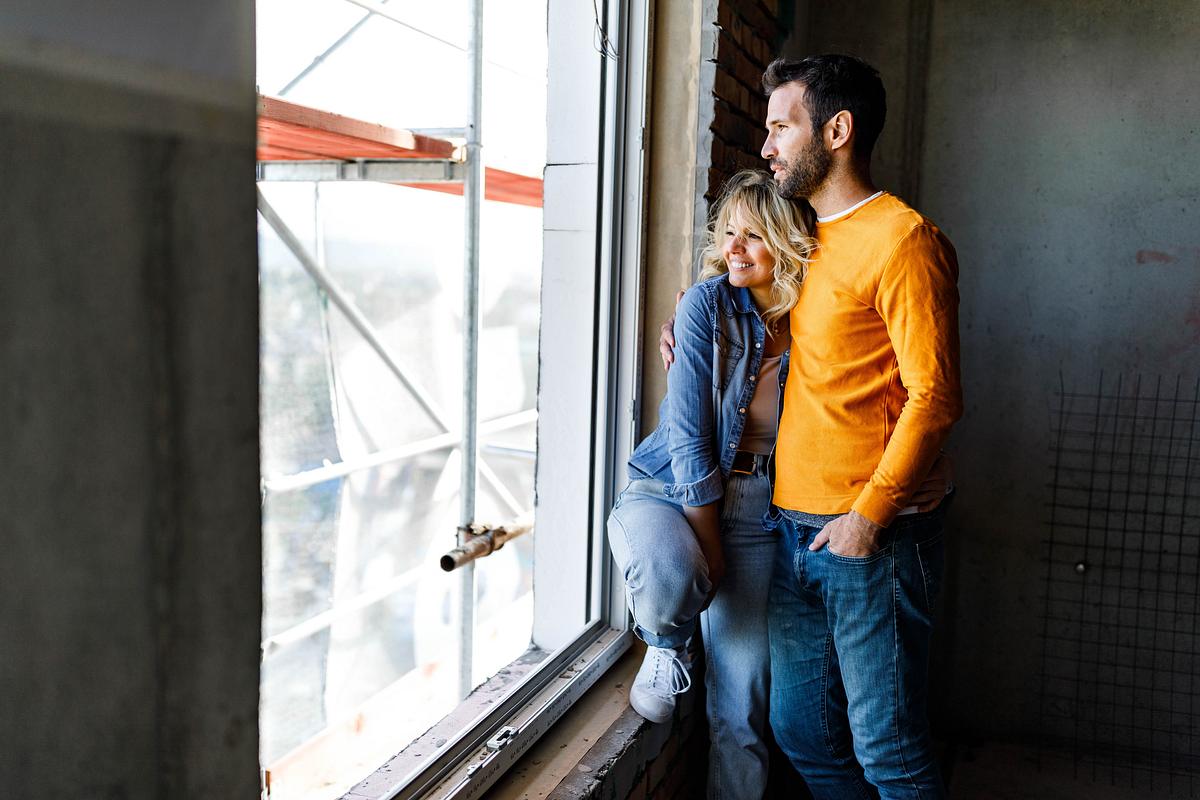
pixel 676 679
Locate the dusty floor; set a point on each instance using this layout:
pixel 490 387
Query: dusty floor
pixel 1006 772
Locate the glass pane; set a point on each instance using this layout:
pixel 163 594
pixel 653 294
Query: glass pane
pixel 362 483
pixel 413 77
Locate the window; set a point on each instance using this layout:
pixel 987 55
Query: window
pixel 365 186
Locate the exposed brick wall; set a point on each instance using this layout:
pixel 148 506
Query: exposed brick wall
pixel 680 771
pixel 637 760
pixel 746 36
pixel 738 39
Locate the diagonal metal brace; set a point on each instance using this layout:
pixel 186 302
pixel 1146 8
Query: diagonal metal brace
pixel 347 307
pixel 365 329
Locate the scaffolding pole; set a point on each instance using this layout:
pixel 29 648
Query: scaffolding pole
pixel 472 200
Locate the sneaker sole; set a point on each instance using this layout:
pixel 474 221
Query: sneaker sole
pixel 656 719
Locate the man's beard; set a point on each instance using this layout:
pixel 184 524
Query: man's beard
pixel 810 171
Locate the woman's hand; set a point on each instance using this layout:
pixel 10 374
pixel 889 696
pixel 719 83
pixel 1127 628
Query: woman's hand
pixel 933 490
pixel 706 524
pixel 666 338
pixel 716 572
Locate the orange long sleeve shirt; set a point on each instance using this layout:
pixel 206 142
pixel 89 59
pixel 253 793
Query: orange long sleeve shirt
pixel 874 384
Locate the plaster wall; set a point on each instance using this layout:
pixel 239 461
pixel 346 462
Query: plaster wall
pixel 130 613
pixel 1058 145
pixel 1054 144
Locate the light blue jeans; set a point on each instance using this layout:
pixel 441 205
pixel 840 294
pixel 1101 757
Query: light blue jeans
pixel 666 583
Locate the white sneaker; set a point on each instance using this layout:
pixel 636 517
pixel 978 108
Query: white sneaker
pixel 663 674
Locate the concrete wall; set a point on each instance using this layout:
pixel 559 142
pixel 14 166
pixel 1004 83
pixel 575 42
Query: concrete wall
pixel 1055 145
pixel 131 571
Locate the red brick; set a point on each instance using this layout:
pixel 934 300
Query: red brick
pixel 747 131
pixel 727 49
pixel 744 69
pixel 750 161
pixel 724 157
pixel 757 107
pixel 674 779
pixel 759 19
pixel 763 52
pixel 640 789
pixel 727 88
pixel 716 179
pixel 753 48
pixel 725 15
pixel 725 122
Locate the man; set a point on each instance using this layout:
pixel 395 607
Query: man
pixel 872 393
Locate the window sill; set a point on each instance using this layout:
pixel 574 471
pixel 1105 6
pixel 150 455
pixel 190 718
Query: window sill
pixel 531 712
pixel 603 748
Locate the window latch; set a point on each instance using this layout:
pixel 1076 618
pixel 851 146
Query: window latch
pixel 498 742
pixel 502 739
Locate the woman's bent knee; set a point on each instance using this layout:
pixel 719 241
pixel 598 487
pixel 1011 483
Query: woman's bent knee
pixel 665 573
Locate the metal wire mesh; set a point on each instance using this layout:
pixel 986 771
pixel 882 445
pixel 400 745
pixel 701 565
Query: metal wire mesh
pixel 1118 691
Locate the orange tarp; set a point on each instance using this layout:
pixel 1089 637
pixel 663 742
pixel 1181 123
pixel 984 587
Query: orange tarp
pixel 292 132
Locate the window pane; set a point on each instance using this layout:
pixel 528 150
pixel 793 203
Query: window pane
pixel 361 469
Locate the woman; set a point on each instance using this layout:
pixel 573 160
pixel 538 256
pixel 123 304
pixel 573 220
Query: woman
pixel 688 530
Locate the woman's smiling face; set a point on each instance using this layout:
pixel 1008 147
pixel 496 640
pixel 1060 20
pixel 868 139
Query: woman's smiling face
pixel 746 255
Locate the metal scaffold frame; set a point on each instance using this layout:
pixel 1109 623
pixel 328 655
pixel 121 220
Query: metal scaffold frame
pixel 464 167
pixel 473 202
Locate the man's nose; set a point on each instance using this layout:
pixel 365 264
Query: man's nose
pixel 768 148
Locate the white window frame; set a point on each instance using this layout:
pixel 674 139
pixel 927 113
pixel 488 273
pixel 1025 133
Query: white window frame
pixel 587 409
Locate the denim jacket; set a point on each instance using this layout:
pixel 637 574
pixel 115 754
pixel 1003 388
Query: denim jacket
pixel 719 341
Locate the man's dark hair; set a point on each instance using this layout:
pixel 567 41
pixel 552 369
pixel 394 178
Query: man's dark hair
pixel 834 83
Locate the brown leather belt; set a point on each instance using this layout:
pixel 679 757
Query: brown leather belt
pixel 747 463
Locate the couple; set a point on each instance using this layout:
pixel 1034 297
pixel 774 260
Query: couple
pixel 786 501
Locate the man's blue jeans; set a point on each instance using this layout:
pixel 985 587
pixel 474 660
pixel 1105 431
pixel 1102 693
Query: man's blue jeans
pixel 850 660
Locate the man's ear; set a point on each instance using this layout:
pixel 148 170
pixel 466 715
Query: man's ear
pixel 839 129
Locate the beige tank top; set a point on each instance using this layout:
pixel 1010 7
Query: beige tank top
pixel 762 417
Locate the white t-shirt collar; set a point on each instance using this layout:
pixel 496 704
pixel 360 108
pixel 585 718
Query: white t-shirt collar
pixel 852 208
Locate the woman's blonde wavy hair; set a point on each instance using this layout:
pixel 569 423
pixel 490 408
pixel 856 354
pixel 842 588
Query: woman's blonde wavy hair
pixel 786 228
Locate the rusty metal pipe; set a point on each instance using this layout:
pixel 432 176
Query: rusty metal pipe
pixel 477 541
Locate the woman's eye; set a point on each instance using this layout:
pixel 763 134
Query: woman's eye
pixel 753 236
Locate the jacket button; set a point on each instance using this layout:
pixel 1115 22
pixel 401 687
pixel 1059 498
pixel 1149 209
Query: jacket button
pixel 758 344
pixel 753 378
pixel 732 445
pixel 743 411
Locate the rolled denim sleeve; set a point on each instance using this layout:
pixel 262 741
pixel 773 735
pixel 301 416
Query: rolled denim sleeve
pixel 694 465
